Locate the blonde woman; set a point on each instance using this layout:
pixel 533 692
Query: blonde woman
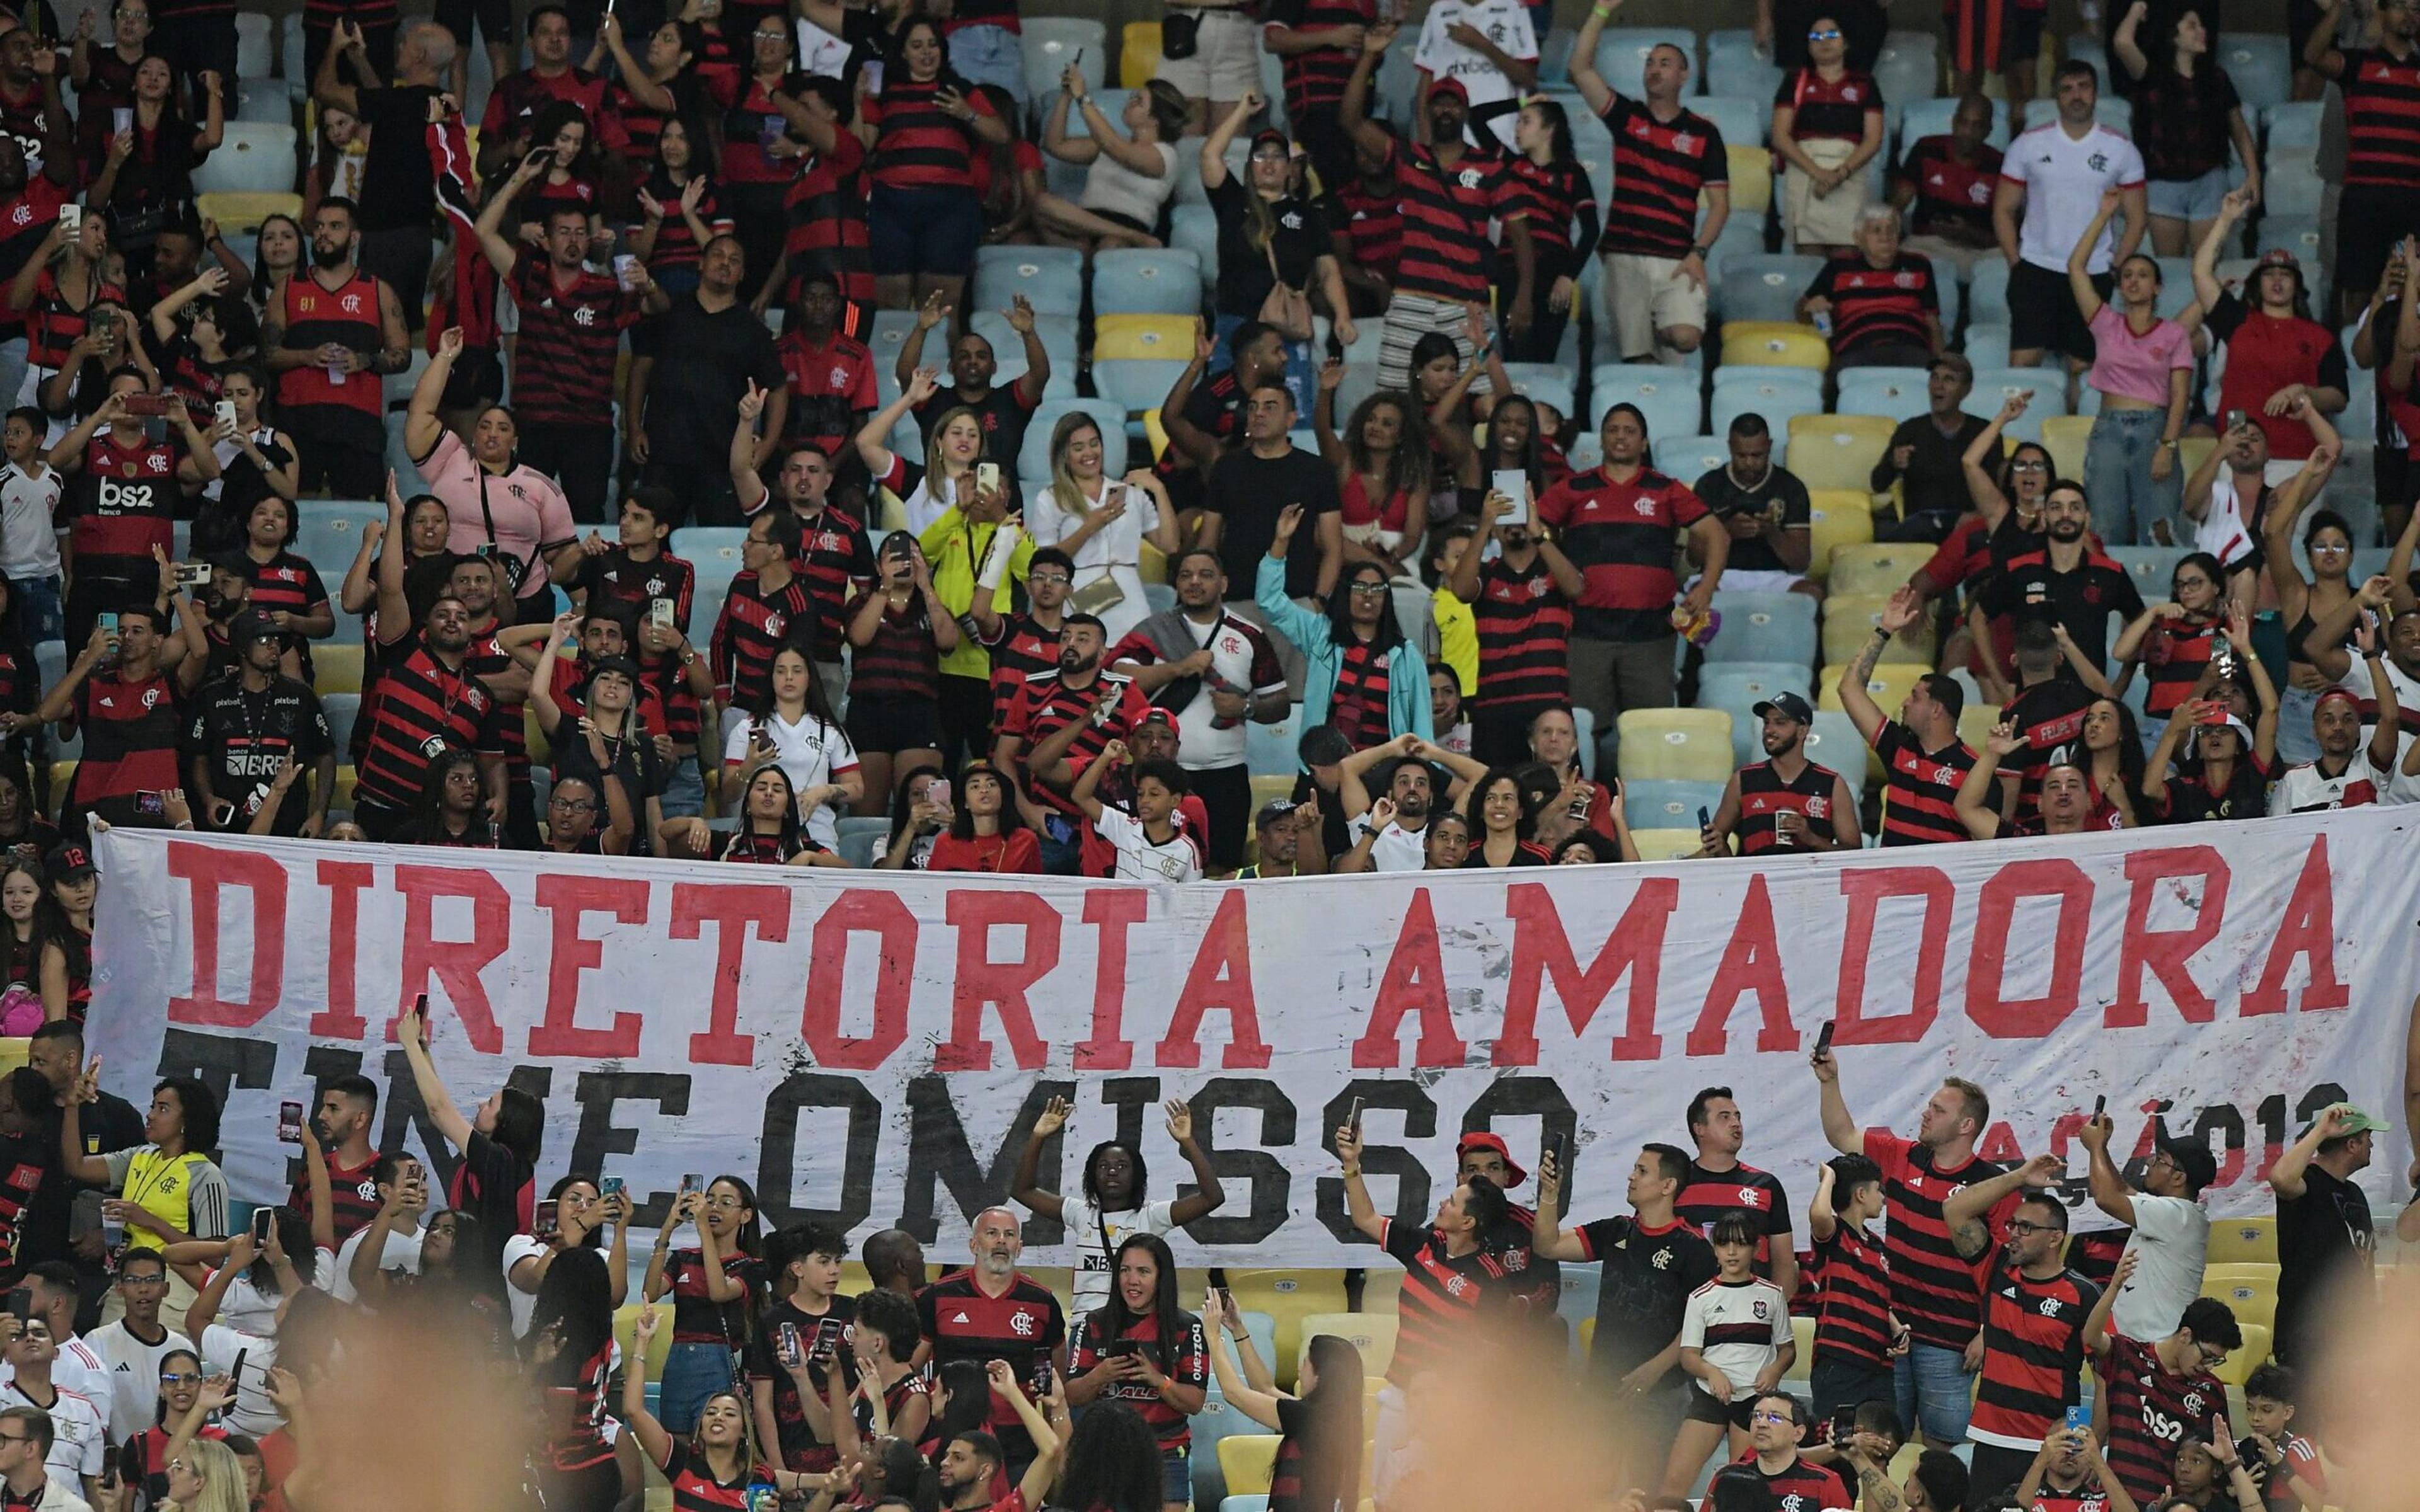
pixel 953 447
pixel 1131 175
pixel 1102 524
pixel 206 1476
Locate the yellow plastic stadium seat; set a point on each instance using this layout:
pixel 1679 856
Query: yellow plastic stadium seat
pixel 13 1053
pixel 62 780
pixel 1167 337
pixel 1156 433
pixel 343 798
pixel 1775 343
pixel 1751 171
pixel 2241 1240
pixel 2251 1356
pixel 1803 1331
pixel 1836 518
pixel 2065 436
pixel 1268 789
pixel 2257 1272
pixel 1658 845
pixel 1877 568
pixel 1975 722
pixel 336 669
pixel 1837 451
pixel 1288 1297
pixel 2251 1302
pixel 1381 1290
pixel 1138 57
pixel 1153 563
pixel 1249 1463
pixel 1371 1333
pixel 625 1323
pixel 2191 451
pixel 1678 744
pixel 243 212
pixel 1587 1336
pixel 1848 621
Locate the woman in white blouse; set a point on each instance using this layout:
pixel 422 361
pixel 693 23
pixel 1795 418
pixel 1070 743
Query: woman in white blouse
pixel 1102 524
pixel 795 731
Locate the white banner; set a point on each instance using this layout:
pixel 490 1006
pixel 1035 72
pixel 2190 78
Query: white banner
pixel 871 1049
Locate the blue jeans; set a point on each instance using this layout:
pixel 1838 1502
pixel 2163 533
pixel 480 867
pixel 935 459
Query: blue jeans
pixel 2296 743
pixel 1300 378
pixel 1935 1393
pixel 2117 476
pixel 35 601
pixel 990 54
pixel 684 795
pixel 692 1373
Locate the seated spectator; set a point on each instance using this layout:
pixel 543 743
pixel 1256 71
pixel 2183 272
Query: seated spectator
pixel 451 808
pixel 1827 125
pixel 1945 185
pixel 715 1457
pixel 1287 834
pixel 987 831
pixel 1390 832
pixel 2065 806
pixel 1784 802
pixel 2068 1472
pixel 1766 512
pixel 1879 303
pixel 1132 173
pixel 2287 1465
pixel 2177 641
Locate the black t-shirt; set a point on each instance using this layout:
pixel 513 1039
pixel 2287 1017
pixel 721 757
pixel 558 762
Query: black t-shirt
pixel 1248 492
pixel 242 736
pixel 1004 416
pixel 2324 1241
pixel 1335 837
pixel 702 363
pixel 1724 497
pixel 2029 587
pixel 1643 1287
pixel 398 188
pixel 499 1191
pixel 1298 230
pixel 633 761
pixel 2245 796
pixel 763 1363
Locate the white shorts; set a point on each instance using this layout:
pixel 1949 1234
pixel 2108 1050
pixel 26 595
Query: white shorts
pixel 1646 294
pixel 1225 63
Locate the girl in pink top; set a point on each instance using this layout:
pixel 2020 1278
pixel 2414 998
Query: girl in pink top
pixel 2143 368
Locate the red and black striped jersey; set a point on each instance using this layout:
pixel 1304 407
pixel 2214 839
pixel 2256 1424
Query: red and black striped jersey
pixel 2033 1356
pixel 1829 108
pixel 801 1447
pixel 825 208
pixel 2175 655
pixel 2087 1496
pixel 578 1411
pixel 831 389
pixel 1765 794
pixel 1024 647
pixel 748 122
pixel 1372 224
pixel 902 661
pixel 623 585
pixel 1315 81
pixel 675 244
pixel 486 658
pixel 313 316
pixel 130 737
pixel 563 369
pixel 123 507
pixel 749 848
pixel 425 707
pixel 1619 532
pixel 1707 1196
pixel 2150 1410
pixel 1088 1342
pixel 1021 1325
pixel 1659 168
pixel 2381 95
pixel 1875 305
pixel 756 623
pixel 1444 1303
pixel 1800 1486
pixel 1951 197
pixel 1934 1290
pixel 24 221
pixel 53 324
pixel 1852 1299
pixel 2049 714
pixel 835 553
pixel 352 1196
pixel 22 1164
pixel 1447 254
pixel 1920 789
pixel 694 1485
pixel 1524 625
pixel 1551 196
pixel 1046 704
pixel 528 92
pixel 916 145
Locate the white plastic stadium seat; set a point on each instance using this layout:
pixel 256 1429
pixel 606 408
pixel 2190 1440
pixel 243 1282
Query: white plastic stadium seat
pixel 255 158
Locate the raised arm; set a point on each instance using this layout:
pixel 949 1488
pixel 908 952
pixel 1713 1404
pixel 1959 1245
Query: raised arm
pixel 1358 1207
pixel 2110 1192
pixel 1208 1194
pixel 1967 1212
pixel 2087 299
pixel 1256 1400
pixel 1585 77
pixel 1902 611
pixel 654 1442
pixel 422 428
pixel 2207 287
pixel 2287 1175
pixel 1982 487
pixel 1977 804
pixel 413 1031
pixel 1026 1185
pixel 1353 113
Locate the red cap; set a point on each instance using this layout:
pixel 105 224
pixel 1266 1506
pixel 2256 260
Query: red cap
pixel 1157 716
pixel 1513 1174
pixel 2339 692
pixel 1450 85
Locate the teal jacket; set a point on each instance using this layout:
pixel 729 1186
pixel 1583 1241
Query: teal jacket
pixel 1408 670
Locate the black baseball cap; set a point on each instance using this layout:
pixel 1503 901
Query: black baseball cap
pixel 1789 705
pixel 1275 811
pixel 69 861
pixel 253 625
pixel 2199 1166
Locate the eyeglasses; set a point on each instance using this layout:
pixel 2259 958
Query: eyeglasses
pixel 575 804
pixel 178 1378
pixel 15 1437
pixel 1044 579
pixel 727 1204
pixel 2020 1227
pixel 2330 548
pixel 1824 37
pixel 2213 1356
pixel 1373 589
pixel 2031 464
pixel 1782 1418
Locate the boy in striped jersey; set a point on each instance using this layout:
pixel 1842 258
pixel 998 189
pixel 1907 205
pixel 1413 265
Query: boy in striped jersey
pixel 1856 1338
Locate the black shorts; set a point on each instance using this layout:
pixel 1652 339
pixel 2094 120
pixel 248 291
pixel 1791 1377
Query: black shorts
pixel 1733 1414
pixel 2369 222
pixel 884 727
pixel 495 18
pixel 2043 314
pixel 1226 794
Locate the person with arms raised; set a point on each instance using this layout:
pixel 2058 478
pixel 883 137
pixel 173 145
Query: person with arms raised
pixel 2325 1239
pixel 2170 1230
pixel 1319 1454
pixel 1923 760
pixel 713 1468
pixel 1114 1205
pixel 496 1181
pixel 2067 1475
pixel 2161 1389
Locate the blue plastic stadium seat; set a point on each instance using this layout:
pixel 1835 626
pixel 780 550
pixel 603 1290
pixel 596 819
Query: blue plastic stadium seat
pixel 1058 334
pixel 1194 228
pixel 1908 67
pixel 1767 628
pixel 1734 67
pixel 1134 281
pixel 1051 43
pixel 1136 383
pixel 1766 285
pixel 1050 277
pixel 329 533
pixel 1668 397
pixel 1691 458
pixel 1667 803
pixel 342 709
pixel 1270 749
pixel 1987 291
pixel 1897 393
pixel 1742 120
pixel 1920 118
pixel 2261 65
pixel 1986 344
pixel 1778 403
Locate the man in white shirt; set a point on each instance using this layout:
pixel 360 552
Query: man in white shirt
pixel 79 1434
pixel 2171 1230
pixel 75 1363
pixel 1487 44
pixel 25 1441
pixel 1150 845
pixel 29 538
pixel 2054 175
pixel 403 1194
pixel 131 1349
pixel 1397 822
pixel 2347 773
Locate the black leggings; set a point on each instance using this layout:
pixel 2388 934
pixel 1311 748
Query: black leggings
pixel 595 1487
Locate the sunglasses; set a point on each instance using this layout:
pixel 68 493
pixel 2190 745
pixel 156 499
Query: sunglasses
pixel 1824 37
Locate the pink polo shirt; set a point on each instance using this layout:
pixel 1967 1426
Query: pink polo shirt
pixel 2128 367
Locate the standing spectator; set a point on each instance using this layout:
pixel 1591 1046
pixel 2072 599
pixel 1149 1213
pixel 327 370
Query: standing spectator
pixel 899 631
pixel 29 207
pixel 1736 1342
pixel 1248 487
pixel 2066 582
pixel 1141 1350
pixel 1764 510
pixel 1221 65
pixel 334 335
pixel 794 1351
pixel 1365 678
pixel 30 490
pixel 1217 672
pixel 1152 842
pixel 1488 47
pixel 926 216
pixel 2142 367
pixel 2186 118
pixel 769 608
pixel 1944 184
pixel 1827 125
pixel 1883 304
pixel 2162 1392
pixel 173 1190
pixel 1319 1454
pixel 135 1349
pixel 1720 1183
pixel 2055 176
pixel 1783 801
pixel 104 76
pixel 1924 459
pixel 2380 200
pixel 1557 196
pixel 1923 760
pixel 713 1462
pixel 521 97
pixel 689 367
pixel 1102 525
pixel 1269 237
pixel 119 516
pixel 143 178
pixel 2170 1231
pixel 2177 641
pixel 32 108
pixel 1013 1319
pixel 499 505
pixel 116 693
pixel 248 729
pixel 948 485
pixel 762 108
pixel 571 325
pixel 831 375
pixel 2327 541
pixel 1994 35
pixel 1857 1337
pixel 1365 219
pixel 1451 190
pixel 2287 1463
pixel 1616 523
pixel 1934 1290
pixel 2275 352
pixel 1002 410
pixel 1317 42
pixel 1076 692
pixel 1521 602
pixel 678 208
pixel 400 173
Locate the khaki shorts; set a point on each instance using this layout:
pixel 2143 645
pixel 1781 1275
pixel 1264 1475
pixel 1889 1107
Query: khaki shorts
pixel 1225 64
pixel 1812 220
pixel 1646 294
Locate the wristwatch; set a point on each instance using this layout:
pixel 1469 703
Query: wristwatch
pixel 1699 253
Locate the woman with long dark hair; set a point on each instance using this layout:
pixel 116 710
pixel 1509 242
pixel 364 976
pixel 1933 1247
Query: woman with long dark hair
pixel 450 810
pixel 570 1351
pixel 1548 182
pixel 716 1287
pixel 2114 745
pixel 277 251
pixel 1270 235
pixel 32 953
pixel 769 831
pixel 143 177
pixel 1116 1463
pixel 917 824
pixel 713 1466
pixel 961 1404
pixel 1319 1450
pixel 1365 678
pixel 1503 821
pixel 2187 116
pixel 1382 462
pixel 256 461
pixel 169 1188
pixel 2174 642
pixel 181 1415
pixel 1114 1196
pixel 761 140
pixel 566 180
pixel 925 218
pixel 678 204
pixel 794 728
pixel 1142 1352
pixel 900 631
pixel 582 1213
pixel 496 1181
pixel 988 832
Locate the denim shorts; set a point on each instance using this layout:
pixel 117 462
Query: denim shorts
pixel 933 231
pixel 1175 1476
pixel 2190 199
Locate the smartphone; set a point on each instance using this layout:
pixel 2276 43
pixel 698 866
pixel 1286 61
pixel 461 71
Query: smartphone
pixel 1513 484
pixel 487 550
pixel 1335 346
pixel 939 794
pixel 194 574
pixel 793 1354
pixel 289 1123
pixel 544 1224
pixel 150 804
pixel 108 622
pixel 2079 1417
pixel 2100 1105
pixel 264 1222
pixel 222 812
pixel 149 406
pixel 988 476
pixel 1705 820
pixel 2235 418
pixel 660 610
pixel 1563 1154
pixel 1352 1120
pixel 420 1006
pixel 224 412
pixel 1039 1379
pixel 613 1188
pixel 762 1497
pixel 121 120
pixel 21 1303
pixel 71 217
pixel 1844 1426
pixel 692 1182
pixel 1118 1347
pixel 1823 1035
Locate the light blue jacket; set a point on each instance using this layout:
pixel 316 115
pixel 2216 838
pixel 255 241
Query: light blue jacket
pixel 1407 671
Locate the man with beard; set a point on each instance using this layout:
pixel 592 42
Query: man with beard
pixel 2346 774
pixel 1244 488
pixel 767 607
pixel 1766 512
pixel 1720 1183
pixel 342 1122
pixel 480 586
pixel 689 368
pixel 115 692
pixel 1390 833
pixel 835 554
pixel 1533 1281
pixel 1784 802
pixel 972 1461
pixel 1005 410
pixel 1092 707
pixel 247 729
pixel 29 207
pixel 2065 582
pixel 1450 189
pixel 1209 671
pixel 429 700
pixel 1020 643
pixel 1923 760
pixel 330 338
pixel 990 1312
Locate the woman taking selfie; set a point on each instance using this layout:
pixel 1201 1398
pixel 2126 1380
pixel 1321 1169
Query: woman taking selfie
pixel 987 831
